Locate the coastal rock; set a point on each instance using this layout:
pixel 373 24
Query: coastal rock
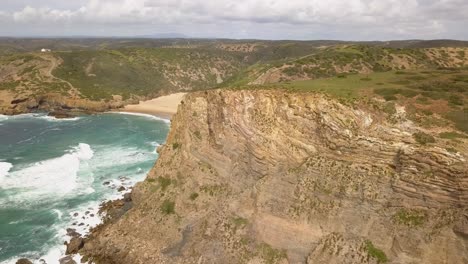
pixel 72 232
pixel 266 176
pixel 23 261
pixel 67 260
pixel 60 114
pixel 75 244
pixel 121 189
pixel 127 197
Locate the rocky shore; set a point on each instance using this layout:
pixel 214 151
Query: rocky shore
pixel 58 105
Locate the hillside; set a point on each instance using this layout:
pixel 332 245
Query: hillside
pixel 331 61
pixel 99 74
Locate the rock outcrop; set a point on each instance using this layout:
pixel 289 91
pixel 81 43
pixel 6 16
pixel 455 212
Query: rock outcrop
pixel 58 105
pixel 276 177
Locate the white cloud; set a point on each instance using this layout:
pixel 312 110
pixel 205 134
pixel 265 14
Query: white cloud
pixel 392 18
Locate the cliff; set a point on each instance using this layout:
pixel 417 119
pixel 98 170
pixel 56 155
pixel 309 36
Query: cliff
pixel 267 176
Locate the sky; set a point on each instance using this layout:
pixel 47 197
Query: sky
pixel 240 19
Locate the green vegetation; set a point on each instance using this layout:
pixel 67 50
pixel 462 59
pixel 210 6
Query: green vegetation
pixel 452 135
pixel 168 207
pixel 164 183
pixel 193 196
pixel 197 134
pixel 99 74
pixel 460 119
pixel 410 218
pixel 451 150
pixel 213 190
pixel 240 222
pixel 176 145
pixel 376 253
pixel 423 138
pixel 271 255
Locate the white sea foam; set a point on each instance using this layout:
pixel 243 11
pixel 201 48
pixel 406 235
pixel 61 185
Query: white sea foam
pixel 144 115
pixel 3 118
pixel 5 167
pixel 54 119
pixel 54 176
pixel 37 115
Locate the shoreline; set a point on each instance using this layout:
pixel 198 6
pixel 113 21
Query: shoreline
pixel 164 106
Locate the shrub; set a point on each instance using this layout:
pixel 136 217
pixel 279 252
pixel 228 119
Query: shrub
pixel 423 138
pixel 164 182
pixel 168 207
pixel 176 145
pixel 239 221
pixel 408 93
pixel 427 112
pixel 452 135
pixel 451 150
pixel 271 255
pixel 197 134
pixel 410 217
pixel 460 118
pixel 341 75
pixel 389 108
pixel 390 97
pixel 193 196
pixel 375 252
pixel 456 99
pixel 422 100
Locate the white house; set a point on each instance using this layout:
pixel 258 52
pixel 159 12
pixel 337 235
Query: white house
pixel 45 50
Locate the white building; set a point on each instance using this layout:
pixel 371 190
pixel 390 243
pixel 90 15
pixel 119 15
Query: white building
pixel 45 50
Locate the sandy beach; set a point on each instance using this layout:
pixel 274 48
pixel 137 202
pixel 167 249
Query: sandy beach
pixel 164 106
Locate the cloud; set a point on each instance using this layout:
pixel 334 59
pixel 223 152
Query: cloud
pixel 365 18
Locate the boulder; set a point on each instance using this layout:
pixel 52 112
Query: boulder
pixel 127 197
pixel 76 243
pixel 60 114
pixel 23 261
pixel 67 260
pixel 72 232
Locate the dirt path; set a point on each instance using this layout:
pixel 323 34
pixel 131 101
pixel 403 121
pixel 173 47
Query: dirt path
pixel 54 63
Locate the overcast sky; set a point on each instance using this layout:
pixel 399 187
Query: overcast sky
pixel 261 19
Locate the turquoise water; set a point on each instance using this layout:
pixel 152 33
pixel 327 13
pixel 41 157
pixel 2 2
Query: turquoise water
pixel 55 173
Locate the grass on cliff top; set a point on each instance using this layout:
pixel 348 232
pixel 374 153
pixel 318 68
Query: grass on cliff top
pixel 423 92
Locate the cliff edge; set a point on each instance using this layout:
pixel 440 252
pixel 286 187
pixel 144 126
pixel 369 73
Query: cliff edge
pixel 267 176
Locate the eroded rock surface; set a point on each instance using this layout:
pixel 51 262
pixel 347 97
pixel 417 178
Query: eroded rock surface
pixel 275 177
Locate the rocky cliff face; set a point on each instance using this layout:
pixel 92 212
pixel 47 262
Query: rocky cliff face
pixel 275 177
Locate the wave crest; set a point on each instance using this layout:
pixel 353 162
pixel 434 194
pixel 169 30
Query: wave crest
pixel 57 175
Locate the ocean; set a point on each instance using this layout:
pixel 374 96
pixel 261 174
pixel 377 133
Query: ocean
pixel 54 174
